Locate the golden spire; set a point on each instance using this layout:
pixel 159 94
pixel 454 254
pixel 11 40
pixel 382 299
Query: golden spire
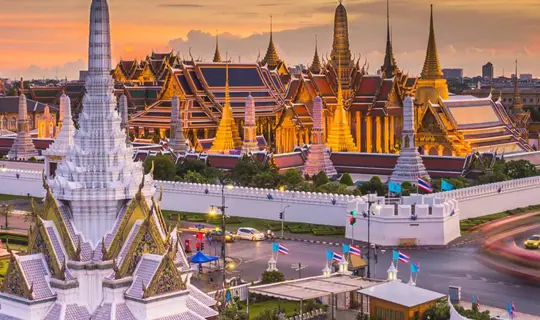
pixel 389 67
pixel 432 66
pixel 227 137
pixel 316 65
pixel 217 55
pixel 517 106
pixel 339 137
pixel 271 58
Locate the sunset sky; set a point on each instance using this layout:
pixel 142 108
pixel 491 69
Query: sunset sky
pixel 49 38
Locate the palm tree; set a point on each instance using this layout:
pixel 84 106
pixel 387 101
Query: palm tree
pixel 7 210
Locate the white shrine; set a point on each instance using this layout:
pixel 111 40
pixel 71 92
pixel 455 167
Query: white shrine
pixel 100 248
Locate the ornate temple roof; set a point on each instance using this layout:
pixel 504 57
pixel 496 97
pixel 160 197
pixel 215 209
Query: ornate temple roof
pixel 10 104
pixel 271 58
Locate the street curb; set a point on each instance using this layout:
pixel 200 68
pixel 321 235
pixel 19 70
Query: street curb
pixel 337 244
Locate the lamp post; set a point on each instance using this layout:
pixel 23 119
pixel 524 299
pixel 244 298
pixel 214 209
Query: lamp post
pixel 369 213
pixel 222 208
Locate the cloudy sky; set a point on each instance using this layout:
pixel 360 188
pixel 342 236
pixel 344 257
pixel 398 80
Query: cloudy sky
pixel 49 38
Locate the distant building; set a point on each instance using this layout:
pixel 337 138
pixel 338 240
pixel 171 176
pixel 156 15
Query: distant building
pixel 82 75
pixel 526 76
pixel 487 71
pixel 453 74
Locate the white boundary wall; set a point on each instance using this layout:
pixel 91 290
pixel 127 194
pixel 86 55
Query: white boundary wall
pixel 496 197
pixel 304 207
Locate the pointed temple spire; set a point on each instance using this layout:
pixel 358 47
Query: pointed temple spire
pixel 432 67
pixel 23 147
pixel 316 66
pixel 271 58
pixel 340 47
pixel 340 138
pixel 217 55
pixel 409 165
pixel 250 127
pixel 177 142
pixel 390 66
pixel 318 158
pixel 98 174
pixel 65 138
pixel 227 138
pixel 518 103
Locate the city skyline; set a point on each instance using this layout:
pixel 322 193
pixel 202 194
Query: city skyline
pixel 40 44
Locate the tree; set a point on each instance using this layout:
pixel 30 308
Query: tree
pixel 407 188
pixel 272 277
pixel 335 188
pixel 190 165
pixel 320 178
pixel 7 211
pixel 194 177
pixel 244 171
pixel 293 179
pixel 520 169
pixel 266 179
pixel 164 168
pixel 440 311
pixel 346 180
pixel 375 185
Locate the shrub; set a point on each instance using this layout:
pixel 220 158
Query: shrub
pixel 272 277
pixel 320 178
pixel 299 228
pixel 346 179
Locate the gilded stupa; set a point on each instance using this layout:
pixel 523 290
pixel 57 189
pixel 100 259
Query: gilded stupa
pixel 227 137
pixel 340 138
pixel 217 54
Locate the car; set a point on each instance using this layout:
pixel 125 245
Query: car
pixel 532 242
pixel 217 235
pixel 249 234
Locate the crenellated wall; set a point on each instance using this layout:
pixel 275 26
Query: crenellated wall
pixel 317 208
pixel 417 220
pixel 495 197
pixel 304 206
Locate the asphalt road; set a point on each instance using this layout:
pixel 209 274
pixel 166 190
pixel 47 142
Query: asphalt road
pixel 439 269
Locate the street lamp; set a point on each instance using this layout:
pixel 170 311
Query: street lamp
pixel 213 211
pixel 372 210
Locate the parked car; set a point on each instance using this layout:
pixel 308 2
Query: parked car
pixel 532 242
pixel 215 235
pixel 249 234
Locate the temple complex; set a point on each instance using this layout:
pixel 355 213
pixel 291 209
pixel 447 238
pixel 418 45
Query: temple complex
pixel 456 125
pixel 409 165
pixel 22 148
pixel 521 116
pixel 100 248
pixel 318 158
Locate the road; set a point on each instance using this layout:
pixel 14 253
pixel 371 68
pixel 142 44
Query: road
pixel 439 269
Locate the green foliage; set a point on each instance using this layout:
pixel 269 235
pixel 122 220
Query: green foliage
pixel 196 171
pixel 32 159
pixel 335 188
pixel 520 169
pixel 164 168
pixel 250 173
pixel 266 179
pixel 190 165
pixel 272 277
pixel 299 228
pixel 194 177
pixel 268 314
pixel 293 179
pixel 440 311
pixel 374 185
pixel 407 188
pixel 473 313
pixel 320 178
pixel 156 138
pixel 346 180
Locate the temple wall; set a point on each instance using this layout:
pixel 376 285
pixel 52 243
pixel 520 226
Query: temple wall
pixel 436 223
pixel 304 207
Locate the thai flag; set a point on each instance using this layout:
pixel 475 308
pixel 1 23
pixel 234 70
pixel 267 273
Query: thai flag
pixel 282 249
pixel 404 258
pixel 355 251
pixel 337 257
pixel 424 185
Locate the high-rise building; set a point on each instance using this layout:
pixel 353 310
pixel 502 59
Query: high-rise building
pixel 487 71
pixel 453 73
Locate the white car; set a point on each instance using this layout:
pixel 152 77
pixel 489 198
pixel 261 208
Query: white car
pixel 249 234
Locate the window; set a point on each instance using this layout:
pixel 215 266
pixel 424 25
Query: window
pixel 12 124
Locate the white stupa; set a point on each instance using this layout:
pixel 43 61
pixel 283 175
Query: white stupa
pixel 100 248
pixel 22 148
pixel 409 164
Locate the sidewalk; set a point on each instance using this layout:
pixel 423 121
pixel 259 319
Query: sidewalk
pixel 494 312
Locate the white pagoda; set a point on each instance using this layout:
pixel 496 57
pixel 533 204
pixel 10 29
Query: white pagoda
pixel 100 248
pixel 409 166
pixel 23 148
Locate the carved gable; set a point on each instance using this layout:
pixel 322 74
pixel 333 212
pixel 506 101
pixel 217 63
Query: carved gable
pixel 14 282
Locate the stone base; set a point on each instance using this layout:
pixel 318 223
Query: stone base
pixel 409 167
pixel 319 160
